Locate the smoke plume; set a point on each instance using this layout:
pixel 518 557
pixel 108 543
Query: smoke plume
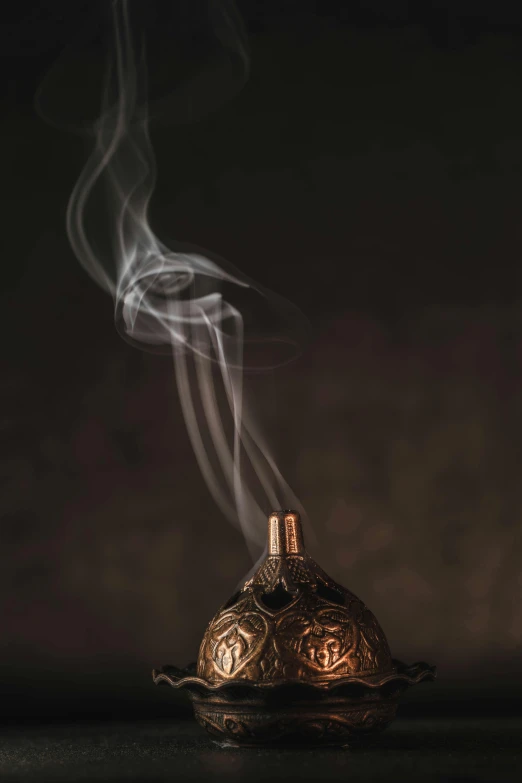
pixel 190 302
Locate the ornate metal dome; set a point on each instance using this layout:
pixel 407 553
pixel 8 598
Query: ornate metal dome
pixel 291 621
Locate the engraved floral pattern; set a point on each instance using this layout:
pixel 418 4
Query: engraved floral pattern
pixel 235 639
pixel 311 637
pixel 291 621
pixel 335 727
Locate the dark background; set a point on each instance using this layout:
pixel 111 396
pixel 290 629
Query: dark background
pixel 371 172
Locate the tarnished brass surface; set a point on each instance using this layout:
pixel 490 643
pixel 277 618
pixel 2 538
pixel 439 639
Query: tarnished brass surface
pixel 340 712
pixel 292 621
pixel 294 656
pixel 330 724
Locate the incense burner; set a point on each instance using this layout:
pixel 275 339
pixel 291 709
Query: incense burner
pixel 293 657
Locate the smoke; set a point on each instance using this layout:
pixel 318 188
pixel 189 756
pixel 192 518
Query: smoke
pixel 189 302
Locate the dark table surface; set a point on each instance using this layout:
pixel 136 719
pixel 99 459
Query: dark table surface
pixel 410 750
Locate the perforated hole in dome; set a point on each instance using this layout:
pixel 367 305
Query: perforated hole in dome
pixel 277 598
pixel 330 594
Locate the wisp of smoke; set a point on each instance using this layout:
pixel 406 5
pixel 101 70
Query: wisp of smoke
pixel 171 298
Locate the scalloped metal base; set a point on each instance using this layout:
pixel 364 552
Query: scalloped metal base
pixel 341 712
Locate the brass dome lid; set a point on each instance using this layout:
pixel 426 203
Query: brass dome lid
pixel 291 621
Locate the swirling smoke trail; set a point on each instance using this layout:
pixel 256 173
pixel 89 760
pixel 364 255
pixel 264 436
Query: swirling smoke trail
pixel 168 298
